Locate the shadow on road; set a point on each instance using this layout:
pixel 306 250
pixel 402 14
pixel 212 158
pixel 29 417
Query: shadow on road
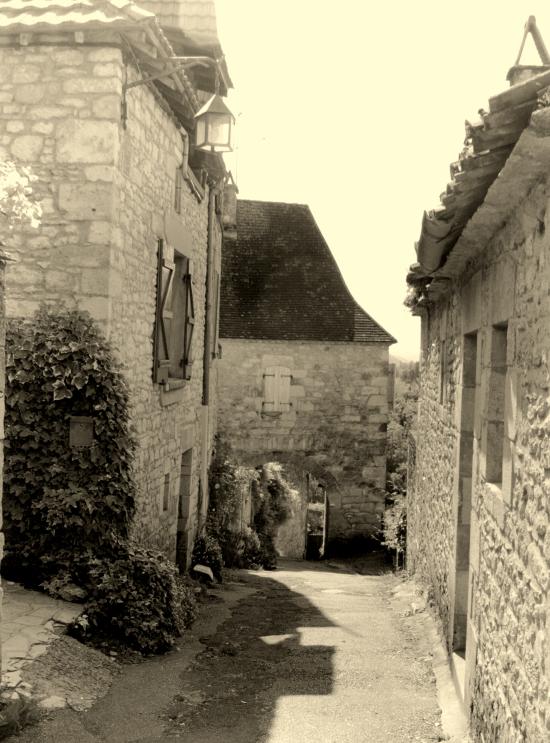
pixel 256 657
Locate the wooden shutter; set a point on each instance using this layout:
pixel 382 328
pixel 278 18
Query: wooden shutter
pixel 164 317
pixel 189 324
pixel 268 403
pixel 283 389
pixel 276 389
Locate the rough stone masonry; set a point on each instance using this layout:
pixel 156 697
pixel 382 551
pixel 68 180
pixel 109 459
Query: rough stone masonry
pixel 106 188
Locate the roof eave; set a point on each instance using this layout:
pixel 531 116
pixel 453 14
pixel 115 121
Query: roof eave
pixel 528 164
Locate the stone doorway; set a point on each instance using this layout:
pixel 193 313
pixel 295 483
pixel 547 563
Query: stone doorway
pixel 183 546
pixel 317 518
pixel 464 503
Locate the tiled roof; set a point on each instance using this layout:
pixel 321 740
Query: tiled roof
pixel 491 146
pixel 35 15
pixel 53 16
pixel 280 281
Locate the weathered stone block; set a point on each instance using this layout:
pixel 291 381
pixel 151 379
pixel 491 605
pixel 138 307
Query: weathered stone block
pixel 105 55
pixel 86 200
pixel 107 107
pixel 47 112
pixel 98 307
pixel 99 173
pixel 27 147
pixel 69 57
pixel 29 93
pixel 15 126
pixel 92 85
pixel 86 141
pixel 43 127
pixel 99 232
pixel 107 69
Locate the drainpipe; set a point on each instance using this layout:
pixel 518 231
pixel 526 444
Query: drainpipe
pixel 208 298
pixel 207 356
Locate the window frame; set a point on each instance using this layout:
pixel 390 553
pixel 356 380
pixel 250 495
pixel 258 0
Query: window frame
pixel 174 319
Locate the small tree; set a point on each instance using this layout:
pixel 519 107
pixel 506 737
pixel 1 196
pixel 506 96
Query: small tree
pixel 401 422
pixel 16 204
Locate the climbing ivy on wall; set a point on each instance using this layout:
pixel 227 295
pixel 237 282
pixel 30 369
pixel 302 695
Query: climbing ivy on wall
pixel 62 503
pixel 68 504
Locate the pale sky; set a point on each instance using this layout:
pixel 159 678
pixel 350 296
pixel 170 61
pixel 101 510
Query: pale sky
pixel 358 109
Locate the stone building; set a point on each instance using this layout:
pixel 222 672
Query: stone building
pixel 3 260
pixel 479 505
pixel 304 370
pixel 131 228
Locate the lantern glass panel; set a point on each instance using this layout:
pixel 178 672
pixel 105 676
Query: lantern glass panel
pixel 201 132
pixel 218 129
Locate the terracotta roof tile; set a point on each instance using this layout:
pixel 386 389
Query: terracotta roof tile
pixel 25 15
pixel 280 281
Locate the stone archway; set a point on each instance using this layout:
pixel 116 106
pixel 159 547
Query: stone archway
pixel 355 507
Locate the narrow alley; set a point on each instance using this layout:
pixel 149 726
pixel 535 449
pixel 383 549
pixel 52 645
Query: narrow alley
pixel 310 652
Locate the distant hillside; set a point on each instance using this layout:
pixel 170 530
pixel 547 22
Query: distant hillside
pixel 401 360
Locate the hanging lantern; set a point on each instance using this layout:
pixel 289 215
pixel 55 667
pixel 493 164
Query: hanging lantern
pixel 213 126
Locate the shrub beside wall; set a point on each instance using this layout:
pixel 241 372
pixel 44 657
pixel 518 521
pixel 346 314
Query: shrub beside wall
pixel 68 506
pixel 242 545
pixel 63 503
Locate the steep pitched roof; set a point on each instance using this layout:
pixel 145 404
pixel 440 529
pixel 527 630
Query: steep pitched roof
pixel 280 281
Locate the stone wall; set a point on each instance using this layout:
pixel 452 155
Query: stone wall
pixel 107 189
pixel 2 387
pixel 335 425
pixel 479 509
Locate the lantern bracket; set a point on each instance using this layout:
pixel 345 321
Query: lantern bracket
pixel 184 62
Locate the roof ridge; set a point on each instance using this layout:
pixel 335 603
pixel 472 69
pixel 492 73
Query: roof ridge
pixel 269 201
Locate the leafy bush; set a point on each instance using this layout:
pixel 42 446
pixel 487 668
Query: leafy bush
pixel 241 549
pixel 207 551
pixel 401 424
pixel 395 526
pixel 63 505
pixel 68 510
pixel 137 599
pixel 229 483
pixel 272 494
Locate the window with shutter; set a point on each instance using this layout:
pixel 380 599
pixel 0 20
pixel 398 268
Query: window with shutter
pixel 189 323
pixel 175 318
pixel 276 390
pixel 163 325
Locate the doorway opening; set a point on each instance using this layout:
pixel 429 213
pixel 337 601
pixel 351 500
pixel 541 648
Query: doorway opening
pixel 184 535
pixel 317 515
pixel 463 523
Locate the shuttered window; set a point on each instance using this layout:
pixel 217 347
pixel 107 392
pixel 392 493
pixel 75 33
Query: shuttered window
pixel 175 318
pixel 276 397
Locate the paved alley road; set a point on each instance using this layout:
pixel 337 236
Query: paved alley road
pixel 307 653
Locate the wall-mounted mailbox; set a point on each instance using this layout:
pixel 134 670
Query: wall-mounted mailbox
pixel 81 432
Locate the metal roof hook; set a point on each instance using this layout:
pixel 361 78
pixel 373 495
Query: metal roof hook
pixel 532 28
